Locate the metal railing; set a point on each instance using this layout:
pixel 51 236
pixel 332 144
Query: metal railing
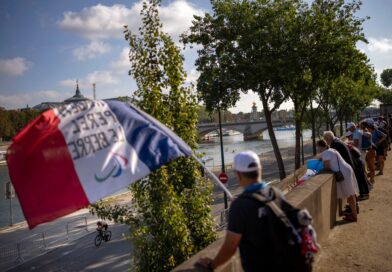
pixel 34 245
pixel 72 227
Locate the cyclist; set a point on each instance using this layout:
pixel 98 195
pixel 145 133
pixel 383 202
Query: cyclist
pixel 102 226
pixel 103 233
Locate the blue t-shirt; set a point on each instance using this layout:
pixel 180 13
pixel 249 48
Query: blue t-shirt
pixel 366 141
pixel 357 135
pixel 376 136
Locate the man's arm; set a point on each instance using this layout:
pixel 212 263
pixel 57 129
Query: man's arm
pixel 383 138
pixel 227 250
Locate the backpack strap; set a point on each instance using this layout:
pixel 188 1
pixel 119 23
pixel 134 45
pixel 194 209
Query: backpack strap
pixel 272 200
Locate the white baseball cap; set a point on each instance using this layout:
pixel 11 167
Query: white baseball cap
pixel 246 161
pixel 350 125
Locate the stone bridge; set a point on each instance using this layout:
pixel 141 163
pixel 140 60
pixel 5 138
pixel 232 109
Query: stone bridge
pixel 250 129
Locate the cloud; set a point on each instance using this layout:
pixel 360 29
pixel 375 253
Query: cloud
pixel 13 101
pixel 122 65
pixel 14 67
pixel 192 76
pixel 383 45
pixel 177 17
pixel 91 50
pixel 100 21
pixel 103 22
pixel 101 78
pixel 52 95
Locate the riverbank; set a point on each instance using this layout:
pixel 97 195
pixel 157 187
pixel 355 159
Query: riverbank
pixel 270 173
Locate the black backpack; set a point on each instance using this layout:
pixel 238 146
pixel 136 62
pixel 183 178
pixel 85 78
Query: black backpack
pixel 293 239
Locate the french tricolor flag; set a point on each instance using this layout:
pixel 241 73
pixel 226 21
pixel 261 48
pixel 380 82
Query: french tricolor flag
pixel 77 154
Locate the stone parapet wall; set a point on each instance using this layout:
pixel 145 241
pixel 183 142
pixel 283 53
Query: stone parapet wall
pixel 318 195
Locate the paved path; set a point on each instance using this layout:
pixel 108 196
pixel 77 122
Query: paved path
pixel 83 255
pixel 367 244
pixel 47 245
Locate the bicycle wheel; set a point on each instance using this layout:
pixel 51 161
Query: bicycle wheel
pixel 98 240
pixel 108 235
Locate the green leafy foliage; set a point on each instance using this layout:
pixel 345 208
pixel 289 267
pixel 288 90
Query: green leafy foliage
pixel 384 95
pixel 345 96
pixel 386 77
pixel 244 48
pixel 13 121
pixel 170 216
pixel 325 50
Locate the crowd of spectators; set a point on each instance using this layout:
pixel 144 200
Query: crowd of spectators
pixel 357 156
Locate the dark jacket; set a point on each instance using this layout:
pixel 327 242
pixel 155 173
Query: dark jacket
pixel 343 150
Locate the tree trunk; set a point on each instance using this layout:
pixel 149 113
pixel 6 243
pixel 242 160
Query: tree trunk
pixel 279 160
pixel 332 127
pixel 313 120
pixel 341 127
pixel 319 128
pixel 297 142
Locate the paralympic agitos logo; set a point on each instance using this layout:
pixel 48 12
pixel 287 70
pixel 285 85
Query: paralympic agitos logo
pixel 113 168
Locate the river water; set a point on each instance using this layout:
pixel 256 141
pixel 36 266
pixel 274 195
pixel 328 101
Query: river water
pixel 232 145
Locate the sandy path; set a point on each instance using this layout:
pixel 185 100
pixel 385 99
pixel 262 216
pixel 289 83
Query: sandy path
pixel 367 244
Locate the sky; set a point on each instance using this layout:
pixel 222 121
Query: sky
pixel 46 45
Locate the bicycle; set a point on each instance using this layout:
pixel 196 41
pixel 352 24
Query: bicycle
pixel 104 235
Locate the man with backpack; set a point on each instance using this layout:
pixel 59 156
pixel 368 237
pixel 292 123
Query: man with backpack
pixel 271 234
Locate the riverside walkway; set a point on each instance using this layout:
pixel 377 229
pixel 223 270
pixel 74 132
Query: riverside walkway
pixel 367 244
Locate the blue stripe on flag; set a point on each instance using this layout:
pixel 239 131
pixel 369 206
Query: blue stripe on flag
pixel 154 143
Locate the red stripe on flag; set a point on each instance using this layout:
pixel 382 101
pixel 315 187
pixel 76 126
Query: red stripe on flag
pixel 42 172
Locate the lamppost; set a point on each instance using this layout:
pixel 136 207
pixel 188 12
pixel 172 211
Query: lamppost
pixel 10 194
pixel 222 154
pixel 302 147
pixel 216 88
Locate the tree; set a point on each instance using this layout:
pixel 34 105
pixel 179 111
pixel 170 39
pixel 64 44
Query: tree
pixel 322 46
pixel 244 48
pixel 384 95
pixel 171 218
pixel 347 95
pixel 13 121
pixel 5 125
pixel 314 118
pixel 386 77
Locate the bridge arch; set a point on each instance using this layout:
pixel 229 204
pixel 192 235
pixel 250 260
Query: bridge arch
pixel 250 130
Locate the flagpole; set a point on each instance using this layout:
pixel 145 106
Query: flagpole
pixel 215 178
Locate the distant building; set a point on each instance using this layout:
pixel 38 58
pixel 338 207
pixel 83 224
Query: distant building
pixel 254 115
pixel 76 98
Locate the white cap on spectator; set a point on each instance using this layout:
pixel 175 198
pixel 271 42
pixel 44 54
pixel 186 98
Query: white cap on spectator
pixel 246 161
pixel 350 125
pixel 349 133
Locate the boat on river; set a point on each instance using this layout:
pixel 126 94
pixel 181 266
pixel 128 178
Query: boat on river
pixel 285 128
